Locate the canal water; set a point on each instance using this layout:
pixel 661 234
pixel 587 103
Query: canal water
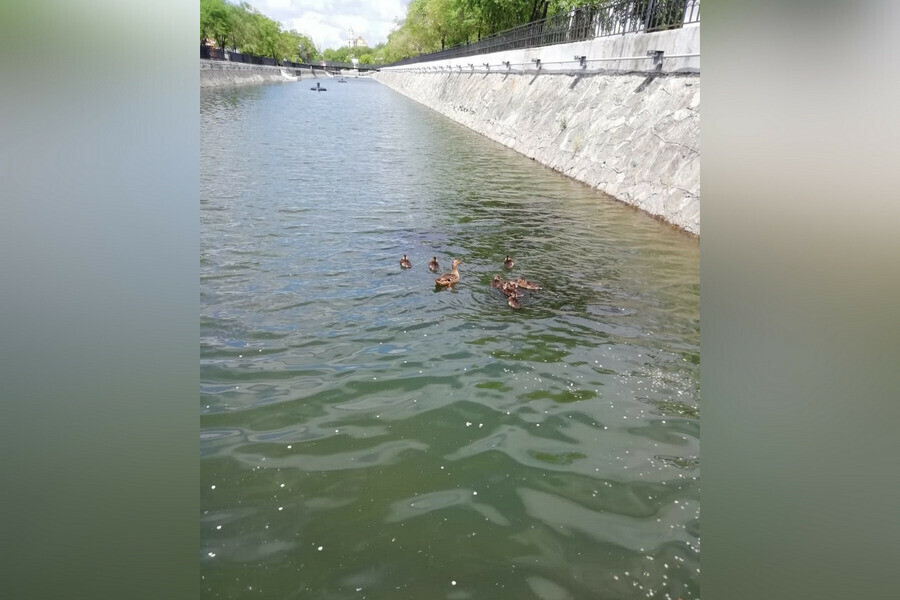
pixel 366 435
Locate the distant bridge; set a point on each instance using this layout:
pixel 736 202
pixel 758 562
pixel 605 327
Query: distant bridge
pixel 251 59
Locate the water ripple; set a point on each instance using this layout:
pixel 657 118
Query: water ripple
pixel 353 415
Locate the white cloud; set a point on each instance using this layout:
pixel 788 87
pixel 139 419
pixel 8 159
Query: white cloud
pixel 326 21
pixel 277 4
pixel 323 34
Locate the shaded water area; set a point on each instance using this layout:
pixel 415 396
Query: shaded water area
pixel 364 435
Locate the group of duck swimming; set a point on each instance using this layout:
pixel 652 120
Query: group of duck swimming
pixel 511 289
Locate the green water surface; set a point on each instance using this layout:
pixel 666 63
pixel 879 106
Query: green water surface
pixel 364 435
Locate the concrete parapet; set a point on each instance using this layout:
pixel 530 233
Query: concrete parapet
pixel 214 73
pixel 617 53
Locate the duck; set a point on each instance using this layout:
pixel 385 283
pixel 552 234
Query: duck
pixel 449 278
pixel 433 266
pixel 404 263
pixel 510 289
pixel 528 285
pixel 508 263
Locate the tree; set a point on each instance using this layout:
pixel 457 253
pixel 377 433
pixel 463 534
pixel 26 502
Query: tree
pixel 341 54
pixel 307 50
pixel 252 32
pixel 432 25
pixel 215 21
pixel 242 32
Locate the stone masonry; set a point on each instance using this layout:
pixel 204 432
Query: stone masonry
pixel 632 135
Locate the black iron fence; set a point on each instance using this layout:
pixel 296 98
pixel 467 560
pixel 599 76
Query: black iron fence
pixel 251 59
pixel 582 23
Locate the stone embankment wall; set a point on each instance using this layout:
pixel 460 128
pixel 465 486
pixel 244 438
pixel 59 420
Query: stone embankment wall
pixel 215 73
pixel 633 134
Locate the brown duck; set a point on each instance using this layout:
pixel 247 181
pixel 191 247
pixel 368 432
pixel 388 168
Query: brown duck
pixel 508 263
pixel 528 285
pixel 433 266
pixel 511 289
pixel 404 263
pixel 449 278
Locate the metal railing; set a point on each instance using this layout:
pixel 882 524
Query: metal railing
pixel 585 22
pixel 211 53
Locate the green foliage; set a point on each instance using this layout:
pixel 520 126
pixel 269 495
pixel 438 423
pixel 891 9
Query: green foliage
pixel 245 29
pixel 365 55
pixel 432 25
pixel 215 21
pixel 342 54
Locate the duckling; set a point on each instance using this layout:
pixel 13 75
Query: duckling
pixel 404 263
pixel 511 289
pixel 528 285
pixel 433 266
pixel 513 302
pixel 508 263
pixel 497 282
pixel 449 278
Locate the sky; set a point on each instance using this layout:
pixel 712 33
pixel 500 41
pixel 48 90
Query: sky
pixel 327 21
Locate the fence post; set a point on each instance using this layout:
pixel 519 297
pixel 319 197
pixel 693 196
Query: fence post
pixel 649 12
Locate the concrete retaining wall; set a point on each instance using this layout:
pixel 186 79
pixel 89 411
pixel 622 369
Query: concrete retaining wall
pixel 632 134
pixel 617 53
pixel 215 73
